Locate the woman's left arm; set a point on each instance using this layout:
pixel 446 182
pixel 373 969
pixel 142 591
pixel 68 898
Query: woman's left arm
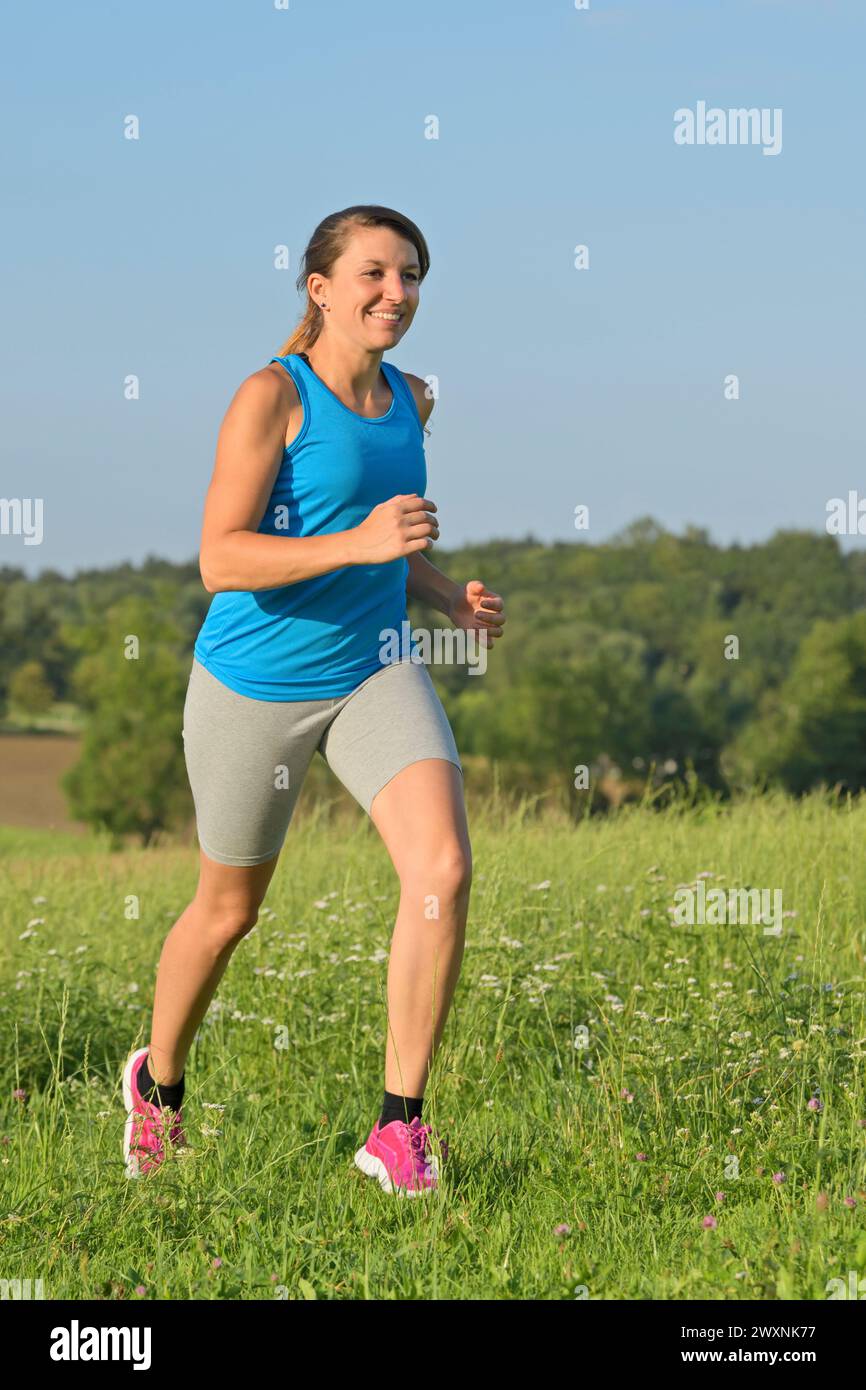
pixel 428 584
pixel 471 606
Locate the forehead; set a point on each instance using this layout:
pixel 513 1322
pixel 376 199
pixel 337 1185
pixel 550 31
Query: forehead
pixel 380 244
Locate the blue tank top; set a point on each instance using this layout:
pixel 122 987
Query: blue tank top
pixel 321 637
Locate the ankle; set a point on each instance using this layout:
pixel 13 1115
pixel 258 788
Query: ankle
pixel 396 1106
pixel 170 1078
pixel 160 1093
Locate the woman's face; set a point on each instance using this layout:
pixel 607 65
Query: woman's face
pixel 373 292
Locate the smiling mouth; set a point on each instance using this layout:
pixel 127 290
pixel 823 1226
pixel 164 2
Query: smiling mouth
pixel 384 318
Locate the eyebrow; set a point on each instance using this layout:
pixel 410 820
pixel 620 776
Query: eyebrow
pixel 409 265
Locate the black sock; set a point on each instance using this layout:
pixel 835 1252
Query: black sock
pixel 160 1095
pixel 400 1108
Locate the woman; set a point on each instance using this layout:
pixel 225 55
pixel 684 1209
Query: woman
pixel 314 530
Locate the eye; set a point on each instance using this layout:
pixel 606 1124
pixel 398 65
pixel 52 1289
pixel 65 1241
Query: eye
pixel 413 274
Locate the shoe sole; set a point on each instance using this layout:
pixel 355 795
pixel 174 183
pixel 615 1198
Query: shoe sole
pixel 375 1168
pixel 131 1161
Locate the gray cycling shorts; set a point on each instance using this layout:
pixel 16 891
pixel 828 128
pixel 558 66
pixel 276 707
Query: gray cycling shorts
pixel 246 759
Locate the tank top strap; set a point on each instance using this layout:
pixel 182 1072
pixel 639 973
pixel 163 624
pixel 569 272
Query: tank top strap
pixel 306 379
pixel 302 382
pixel 401 388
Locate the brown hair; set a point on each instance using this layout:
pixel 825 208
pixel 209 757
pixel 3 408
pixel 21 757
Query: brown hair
pixel 327 244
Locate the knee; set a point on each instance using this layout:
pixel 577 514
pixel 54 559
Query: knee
pixel 452 868
pixel 445 875
pixel 226 924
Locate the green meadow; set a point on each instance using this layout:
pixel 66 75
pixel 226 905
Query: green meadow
pixel 634 1109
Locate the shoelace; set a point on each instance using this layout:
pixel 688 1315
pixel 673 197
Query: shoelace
pixel 419 1135
pixel 418 1138
pixel 152 1128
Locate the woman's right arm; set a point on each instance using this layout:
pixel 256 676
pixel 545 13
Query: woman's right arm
pixel 233 555
pixel 249 451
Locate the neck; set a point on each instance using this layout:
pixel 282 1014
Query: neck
pixel 351 372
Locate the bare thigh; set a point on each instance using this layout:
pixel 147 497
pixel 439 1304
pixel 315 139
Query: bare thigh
pixel 421 817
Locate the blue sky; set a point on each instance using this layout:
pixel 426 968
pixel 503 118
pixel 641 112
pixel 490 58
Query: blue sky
pixel 557 386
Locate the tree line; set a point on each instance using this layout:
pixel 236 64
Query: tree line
pixel 651 658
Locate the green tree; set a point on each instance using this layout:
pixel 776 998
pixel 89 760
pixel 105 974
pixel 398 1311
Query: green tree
pixel 29 691
pixel 813 728
pixel 588 703
pixel 131 680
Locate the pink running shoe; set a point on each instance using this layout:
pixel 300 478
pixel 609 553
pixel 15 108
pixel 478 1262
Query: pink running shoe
pixel 399 1157
pixel 144 1136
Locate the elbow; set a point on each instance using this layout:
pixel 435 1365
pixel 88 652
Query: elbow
pixel 207 578
pixel 212 566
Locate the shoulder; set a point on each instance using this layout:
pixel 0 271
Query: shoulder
pixel 274 381
pixel 265 397
pixel 269 386
pixel 425 403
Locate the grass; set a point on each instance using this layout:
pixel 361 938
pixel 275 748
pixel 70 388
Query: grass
pixel 703 1048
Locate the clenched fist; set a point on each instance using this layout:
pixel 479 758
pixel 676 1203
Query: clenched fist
pixel 394 529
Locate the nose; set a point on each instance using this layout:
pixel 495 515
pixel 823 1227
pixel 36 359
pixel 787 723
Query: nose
pixel 395 291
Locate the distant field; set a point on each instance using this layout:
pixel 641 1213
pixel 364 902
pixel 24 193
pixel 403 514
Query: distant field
pixel 674 1155
pixel 31 766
